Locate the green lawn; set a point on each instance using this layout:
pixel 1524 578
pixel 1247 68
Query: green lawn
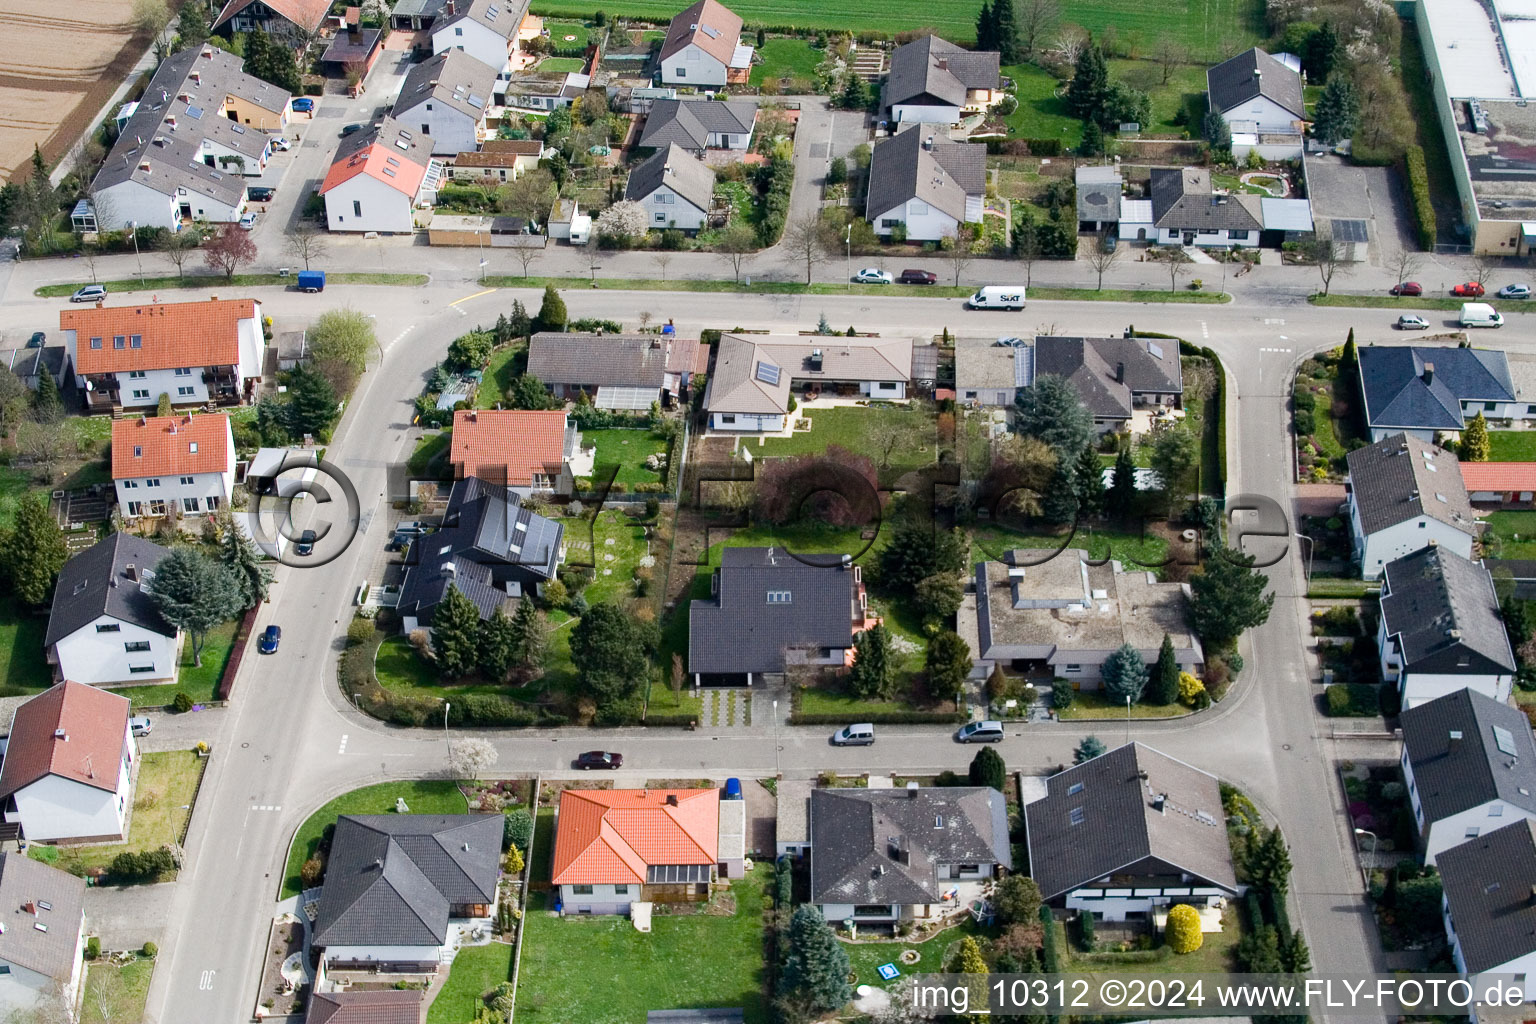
pixel 642 284
pixel 401 670
pixel 687 960
pixel 558 30
pixel 1042 113
pixel 1092 704
pixel 22 669
pixel 1335 586
pixel 553 64
pixel 619 543
pixel 1512 446
pixel 499 371
pixel 866 957
pixel 476 970
pixel 162 803
pixel 1126 295
pixel 855 427
pixel 786 58
pixel 1406 304
pixel 849 706
pixel 1133 549
pixel 1503 530
pixel 199 683
pixel 428 459
pixel 1215 955
pixel 426 796
pixel 628 449
pixel 126 987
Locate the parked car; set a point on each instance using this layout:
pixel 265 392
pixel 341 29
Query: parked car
pixel 141 726
pixel 352 128
pixel 303 105
pixel 1412 323
pixel 918 277
pixel 980 732
pixel 1515 291
pixel 861 735
pixel 599 759
pixel 407 532
pixel 1469 290
pixel 248 220
pixel 1408 288
pixel 873 275
pixel 306 544
pixel 37 340
pixel 281 143
pixel 270 638
pixel 90 293
pixel 260 194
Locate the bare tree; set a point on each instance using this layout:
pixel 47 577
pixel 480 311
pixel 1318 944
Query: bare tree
pixel 594 260
pixel 90 253
pixel 678 676
pixel 46 443
pixel 1069 44
pixel 1405 262
pixel 1484 268
pixel 179 248
pixel 525 255
pixel 663 259
pixel 307 244
pixel 803 241
pixel 1169 53
pixel 1035 19
pixel 1178 266
pixel 1328 255
pixel 105 991
pixel 151 17
pixel 468 758
pixel 962 249
pixel 890 432
pixel 1102 254
pixel 737 244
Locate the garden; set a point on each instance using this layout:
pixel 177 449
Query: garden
pixel 1328 414
pixel 115 993
pixel 1510 533
pixel 1405 896
pixel 896 438
pixel 1512 446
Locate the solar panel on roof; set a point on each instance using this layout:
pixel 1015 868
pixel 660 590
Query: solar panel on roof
pixel 1155 349
pixel 238 129
pixel 195 112
pixel 1348 230
pixel 1504 740
pixel 768 374
pixel 476 102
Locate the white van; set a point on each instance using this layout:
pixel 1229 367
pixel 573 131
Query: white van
pixel 995 296
pixel 1480 314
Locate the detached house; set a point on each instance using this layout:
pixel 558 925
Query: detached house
pixel 769 609
pixel 1261 99
pixel 676 188
pixel 1470 767
pixel 990 371
pixel 401 888
pixel 1490 917
pixel 925 185
pixel 365 1006
pixel 524 451
pixel 617 371
pixel 290 22
pixel 1128 833
pixel 1441 630
pixel 697 125
pixel 546 90
pixel 173 465
pixel 69 766
pixel 445 97
pixel 754 375
pixel 1405 494
pixel 1114 377
pixel 499 159
pixel 703 48
pixel 617 847
pixel 104 629
pixel 1185 209
pixel 198 353
pixel 484 29
pixel 936 82
pixel 1425 390
pixel 378 178
pixel 42 934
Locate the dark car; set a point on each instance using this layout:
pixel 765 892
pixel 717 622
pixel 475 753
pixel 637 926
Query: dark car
pixel 306 545
pixel 1408 288
pixel 260 194
pixel 599 759
pixel 1470 290
pixel 37 340
pixel 351 128
pixel 303 105
pixel 917 277
pixel 270 638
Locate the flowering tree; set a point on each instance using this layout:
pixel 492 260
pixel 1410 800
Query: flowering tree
pixel 230 248
pixel 622 221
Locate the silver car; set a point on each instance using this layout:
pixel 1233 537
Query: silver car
pixel 90 293
pixel 1412 323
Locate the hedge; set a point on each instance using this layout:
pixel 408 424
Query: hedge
pixel 880 718
pixel 672 721
pixel 1418 190
pixel 1218 401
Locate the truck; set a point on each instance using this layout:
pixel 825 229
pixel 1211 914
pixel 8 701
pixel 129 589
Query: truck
pixel 1480 314
pixel 311 281
pixel 994 296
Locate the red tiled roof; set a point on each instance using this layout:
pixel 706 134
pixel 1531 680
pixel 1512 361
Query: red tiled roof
pixel 172 334
pixel 688 356
pixel 377 160
pixel 170 445
pixel 507 446
pixel 93 723
pixel 307 14
pixel 1499 476
pixel 610 836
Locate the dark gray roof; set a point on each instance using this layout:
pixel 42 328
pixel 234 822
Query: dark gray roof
pixel 1487 884
pixel 944 176
pixel 452 78
pixel 737 630
pixel 95 583
pixel 885 845
pixel 1443 610
pixel 1097 819
pixel 490 539
pixel 689 123
pixel 1452 776
pixel 937 70
pixel 1418 387
pixel 49 952
pixel 1098 193
pixel 52 358
pixel 504 17
pixel 1093 365
pixel 379 1006
pixel 600 360
pixel 1400 478
pixel 679 170
pixel 425 9
pixel 1182 199
pixel 1254 73
pixel 391 878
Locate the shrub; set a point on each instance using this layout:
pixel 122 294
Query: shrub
pixel 1192 691
pixel 359 631
pixel 512 863
pixel 92 948
pixel 182 702
pixel 517 829
pixel 312 872
pixel 1418 190
pixel 1086 933
pixel 1183 930
pixel 1062 695
pixel 1338 700
pixel 149 950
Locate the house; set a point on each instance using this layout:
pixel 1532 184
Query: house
pixel 355 49
pixel 1504 483
pixel 792 818
pixel 173 465
pixel 933 81
pixel 1128 833
pixel 1426 390
pixel 522 450
pixel 445 97
pixel 546 90
pixel 617 371
pixel 883 856
pixel 1405 494
pixel 1470 767
pixel 1184 209
pixel 294 22
pixel 1098 199
pixel 1440 629
pixel 615 847
pixel 399 888
pixel 378 178
pixel 749 389
pixel 1490 917
pixel 676 188
pixel 566 221
pixel 697 125
pixel 990 371
pixel 42 935
pixel 703 48
pixel 1114 377
pixel 198 353
pixel 69 766
pixel 31 363
pixel 498 159
pixel 1260 98
pixel 365 1006
pixel 768 609
pixel 491 547
pixel 104 629
pixel 201 128
pixel 1059 614
pixel 484 29
pixel 415 15
pixel 925 186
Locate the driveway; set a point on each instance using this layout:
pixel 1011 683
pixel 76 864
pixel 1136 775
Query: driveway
pixel 126 917
pixel 1344 191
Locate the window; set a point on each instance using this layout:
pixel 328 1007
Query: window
pixel 682 72
pixel 1074 668
pixel 458 31
pixel 135 341
pixel 136 645
pixel 152 481
pixel 581 890
pixel 108 627
pixel 661 218
pixel 429 106
pixel 917 208
pixel 872 910
pixel 1472 832
pixel 728 417
pixel 621 890
pixel 187 481
pixel 139 669
pixel 213 504
pixel 887 385
pixel 135 508
pixel 1208 231
pixel 1490 406
pixel 778 597
pixel 357 208
pixel 1076 815
pixel 1496 811
pixel 129 484
pixel 118 341
pixel 1237 236
pixel 140 393
pixel 889 222
pixel 157 507
pixel 426 129
pixel 136 374
pixel 183 392
pixel 1530 410
pixel 183 371
pixel 95 343
pixel 190 505
pixel 1074 789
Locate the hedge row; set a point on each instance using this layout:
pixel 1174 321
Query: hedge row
pixel 1219 407
pixel 1025 147
pixel 880 718
pixel 675 721
pixel 1418 189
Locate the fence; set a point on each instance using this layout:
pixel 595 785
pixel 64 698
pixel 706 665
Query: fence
pixel 522 898
pixel 236 656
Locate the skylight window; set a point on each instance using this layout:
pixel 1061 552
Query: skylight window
pixel 138 451
pixel 238 129
pixel 402 145
pixel 779 597
pixel 194 111
pixel 1504 740
pixel 388 172
pixel 520 527
pixel 1076 816
pixel 193 447
pixel 476 102
pixel 135 341
pixel 392 161
pixel 768 374
pixel 1074 789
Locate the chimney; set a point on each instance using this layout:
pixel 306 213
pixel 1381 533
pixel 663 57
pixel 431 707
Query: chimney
pixel 1533 894
pixel 1119 373
pixel 131 571
pixel 1429 374
pixel 816 359
pixel 473 417
pixel 1159 803
pixel 928 142
pixel 143 420
pixel 1453 741
pixel 60 734
pixel 912 790
pixel 29 908
pixel 671 799
pixel 448 570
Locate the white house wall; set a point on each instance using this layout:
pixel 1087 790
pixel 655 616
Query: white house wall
pixel 923 113
pixel 452 130
pixel 364 203
pixel 1452 831
pixel 58 808
pixel 925 223
pixel 486 46
pixel 1267 150
pixel 692 66
pixel 411 954
pixel 1421 687
pixel 136 202
pixel 101 659
pixel 890 389
pixel 144 392
pixel 745 423
pixel 664 208
pixel 205 487
pixel 1262 114
pixel 988 396
pixel 837 913
pixel 1382 433
pixel 603 899
pixel 252 345
pixel 1404 538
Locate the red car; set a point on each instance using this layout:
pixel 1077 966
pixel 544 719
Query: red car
pixel 916 277
pixel 599 759
pixel 1408 288
pixel 1470 290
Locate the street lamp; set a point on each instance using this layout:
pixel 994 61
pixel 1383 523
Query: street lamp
pixel 481 243
pixel 848 264
pixel 1127 718
pixel 1311 550
pixel 776 770
pixel 446 745
pixel 133 230
pixel 1365 871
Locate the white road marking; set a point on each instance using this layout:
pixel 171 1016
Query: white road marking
pixel 266 807
pixel 1205 332
pixel 1286 350
pixel 1272 320
pixel 205 982
pixel 343 749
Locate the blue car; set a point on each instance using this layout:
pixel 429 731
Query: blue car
pixel 303 105
pixel 270 639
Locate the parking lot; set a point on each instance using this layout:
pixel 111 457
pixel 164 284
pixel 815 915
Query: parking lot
pixel 1346 192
